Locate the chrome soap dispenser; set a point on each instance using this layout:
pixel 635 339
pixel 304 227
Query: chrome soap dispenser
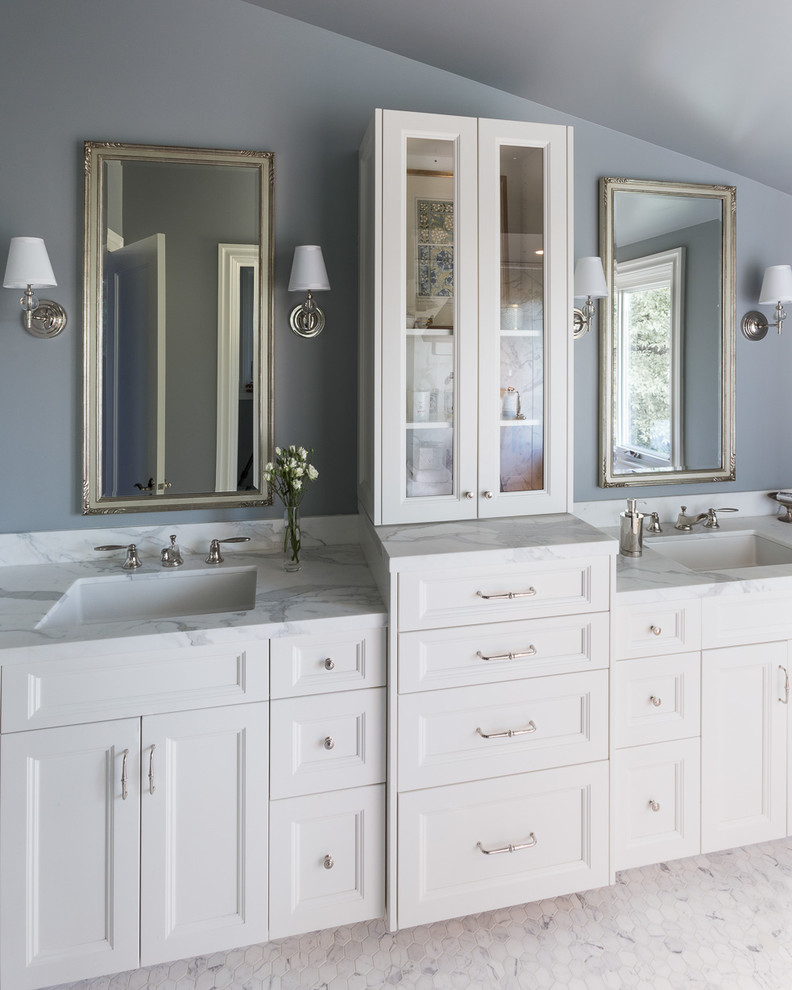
pixel 631 535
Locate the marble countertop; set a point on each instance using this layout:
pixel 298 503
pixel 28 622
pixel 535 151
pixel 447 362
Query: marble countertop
pixel 333 587
pixel 655 575
pixel 491 541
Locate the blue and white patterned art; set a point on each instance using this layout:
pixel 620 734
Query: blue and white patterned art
pixel 435 247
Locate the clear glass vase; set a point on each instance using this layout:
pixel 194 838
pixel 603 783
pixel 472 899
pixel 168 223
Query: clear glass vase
pixel 291 538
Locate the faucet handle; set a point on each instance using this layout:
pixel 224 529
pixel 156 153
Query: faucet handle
pixel 215 557
pixel 132 560
pixel 712 516
pixel 171 556
pixel 654 524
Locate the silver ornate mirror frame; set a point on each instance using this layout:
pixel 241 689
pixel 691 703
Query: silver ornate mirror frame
pixel 725 359
pixel 259 257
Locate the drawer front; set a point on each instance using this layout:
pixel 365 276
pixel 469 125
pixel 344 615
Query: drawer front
pixel 338 661
pixel 327 742
pixel 498 729
pixel 656 803
pixel 327 860
pixel 451 838
pixel 448 658
pixel 743 619
pixel 657 699
pixel 507 591
pixel 658 628
pixel 67 692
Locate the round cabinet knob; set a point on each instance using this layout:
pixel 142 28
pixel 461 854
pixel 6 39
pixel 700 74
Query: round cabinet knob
pixel 488 495
pixel 655 630
pixel 656 701
pixel 654 805
pixel 469 496
pixel 329 742
pixel 329 663
pixel 329 862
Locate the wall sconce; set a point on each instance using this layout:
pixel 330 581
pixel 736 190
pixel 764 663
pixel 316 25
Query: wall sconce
pixel 29 265
pixel 309 275
pixel 589 283
pixel 776 290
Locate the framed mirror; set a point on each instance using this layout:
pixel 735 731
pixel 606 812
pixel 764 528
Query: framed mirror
pixel 667 333
pixel 178 327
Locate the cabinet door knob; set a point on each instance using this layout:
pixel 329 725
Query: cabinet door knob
pixel 488 495
pixel 655 630
pixel 656 701
pixel 469 496
pixel 654 805
pixel 328 862
pixel 329 663
pixel 329 742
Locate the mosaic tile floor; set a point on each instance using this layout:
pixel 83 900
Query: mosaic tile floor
pixel 723 920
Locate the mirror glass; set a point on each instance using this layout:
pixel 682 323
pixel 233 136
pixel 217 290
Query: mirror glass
pixel 178 318
pixel 667 332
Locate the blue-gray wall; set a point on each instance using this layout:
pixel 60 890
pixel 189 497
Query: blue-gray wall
pixel 222 73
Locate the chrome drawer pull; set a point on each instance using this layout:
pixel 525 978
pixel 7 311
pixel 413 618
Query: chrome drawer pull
pixel 508 594
pixel 125 754
pixel 656 701
pixel 328 862
pixel 329 663
pixel 530 652
pixel 508 733
pixel 654 805
pixel 512 847
pixel 152 788
pixel 329 742
pixel 785 699
pixel 656 630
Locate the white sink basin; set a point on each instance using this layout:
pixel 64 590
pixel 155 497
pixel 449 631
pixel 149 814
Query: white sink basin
pixel 722 551
pixel 153 596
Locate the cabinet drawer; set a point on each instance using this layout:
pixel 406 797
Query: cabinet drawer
pixel 657 628
pixel 447 658
pixel 71 691
pixel 657 699
pixel 338 661
pixel 498 729
pixel 551 826
pixel 495 593
pixel 743 619
pixel 656 803
pixel 327 860
pixel 327 742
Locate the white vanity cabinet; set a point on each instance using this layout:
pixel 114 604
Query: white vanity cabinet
pixel 140 836
pixel 465 317
pixel 327 772
pixel 655 732
pixel 501 782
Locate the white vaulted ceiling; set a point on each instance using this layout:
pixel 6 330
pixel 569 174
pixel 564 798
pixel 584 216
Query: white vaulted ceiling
pixel 708 78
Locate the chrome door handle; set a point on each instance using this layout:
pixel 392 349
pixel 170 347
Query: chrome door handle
pixel 530 652
pixel 509 733
pixel 656 701
pixel 152 788
pixel 508 594
pixel 656 630
pixel 329 742
pixel 328 862
pixel 785 699
pixel 124 778
pixel 654 805
pixel 512 847
pixel 329 663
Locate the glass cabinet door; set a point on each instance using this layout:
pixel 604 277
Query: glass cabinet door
pixel 523 330
pixel 429 316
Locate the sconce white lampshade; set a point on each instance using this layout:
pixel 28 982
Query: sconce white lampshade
pixel 776 285
pixel 308 272
pixel 590 279
pixel 28 264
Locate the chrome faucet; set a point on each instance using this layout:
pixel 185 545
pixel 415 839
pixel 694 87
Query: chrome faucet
pixel 132 560
pixel 686 523
pixel 215 557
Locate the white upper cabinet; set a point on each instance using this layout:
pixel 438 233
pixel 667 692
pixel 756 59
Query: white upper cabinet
pixel 465 318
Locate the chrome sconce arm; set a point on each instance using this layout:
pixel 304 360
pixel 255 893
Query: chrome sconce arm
pixel 589 284
pixel 28 266
pixel 776 289
pixel 308 275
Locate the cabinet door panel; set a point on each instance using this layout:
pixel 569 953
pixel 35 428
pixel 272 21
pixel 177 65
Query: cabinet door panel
pixel 69 858
pixel 203 832
pixel 743 750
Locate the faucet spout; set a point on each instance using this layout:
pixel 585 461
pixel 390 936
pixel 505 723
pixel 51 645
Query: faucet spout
pixel 686 522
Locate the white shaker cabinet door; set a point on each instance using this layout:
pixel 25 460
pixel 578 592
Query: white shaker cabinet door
pixel 203 831
pixel 743 745
pixel 69 838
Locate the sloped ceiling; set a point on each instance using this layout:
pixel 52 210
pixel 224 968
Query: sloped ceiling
pixel 707 78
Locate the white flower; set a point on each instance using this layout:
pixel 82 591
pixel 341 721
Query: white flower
pixel 297 485
pixel 313 474
pixel 278 450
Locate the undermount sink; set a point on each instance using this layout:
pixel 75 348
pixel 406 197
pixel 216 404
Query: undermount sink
pixel 153 596
pixel 722 551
